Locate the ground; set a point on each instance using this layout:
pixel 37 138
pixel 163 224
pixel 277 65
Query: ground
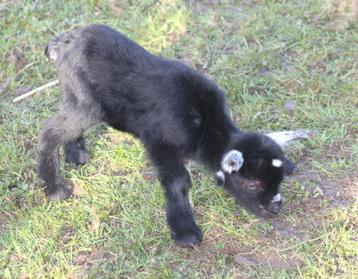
pixel 283 65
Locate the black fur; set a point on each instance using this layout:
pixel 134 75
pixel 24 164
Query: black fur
pixel 174 110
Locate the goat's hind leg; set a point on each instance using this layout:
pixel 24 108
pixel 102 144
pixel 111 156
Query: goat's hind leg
pixel 63 128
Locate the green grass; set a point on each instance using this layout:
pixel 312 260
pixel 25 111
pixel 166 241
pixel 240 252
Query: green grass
pixel 263 53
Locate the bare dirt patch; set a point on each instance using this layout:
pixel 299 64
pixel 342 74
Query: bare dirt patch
pixel 87 259
pixel 244 257
pixel 338 192
pixel 271 258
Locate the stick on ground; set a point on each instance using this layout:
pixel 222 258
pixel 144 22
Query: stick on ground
pixel 36 90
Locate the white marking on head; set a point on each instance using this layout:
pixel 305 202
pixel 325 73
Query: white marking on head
pixel 277 198
pixel 232 161
pixel 277 163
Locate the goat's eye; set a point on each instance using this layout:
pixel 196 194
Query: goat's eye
pixel 252 185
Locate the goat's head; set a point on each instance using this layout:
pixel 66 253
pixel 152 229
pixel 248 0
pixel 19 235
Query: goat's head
pixel 252 171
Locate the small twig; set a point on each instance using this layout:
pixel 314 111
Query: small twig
pixel 25 68
pixel 36 90
pixel 5 84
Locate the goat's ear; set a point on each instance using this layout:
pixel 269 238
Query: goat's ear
pixel 232 161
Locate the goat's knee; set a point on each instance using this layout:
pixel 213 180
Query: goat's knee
pixel 75 152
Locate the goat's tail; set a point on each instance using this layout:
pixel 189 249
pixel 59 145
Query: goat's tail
pixel 47 52
pixel 59 44
pixel 53 47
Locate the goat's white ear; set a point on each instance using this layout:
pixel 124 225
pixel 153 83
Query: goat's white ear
pixel 232 161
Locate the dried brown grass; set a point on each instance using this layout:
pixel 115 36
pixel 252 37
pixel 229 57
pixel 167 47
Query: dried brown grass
pixel 343 13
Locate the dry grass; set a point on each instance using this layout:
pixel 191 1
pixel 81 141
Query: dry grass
pixel 264 54
pixel 343 13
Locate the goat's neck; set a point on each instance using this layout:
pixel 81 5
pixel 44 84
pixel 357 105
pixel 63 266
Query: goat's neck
pixel 217 139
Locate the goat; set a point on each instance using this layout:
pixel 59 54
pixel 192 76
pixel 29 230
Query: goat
pixel 174 110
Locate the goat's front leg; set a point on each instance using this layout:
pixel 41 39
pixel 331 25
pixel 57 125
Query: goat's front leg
pixel 176 182
pixel 180 218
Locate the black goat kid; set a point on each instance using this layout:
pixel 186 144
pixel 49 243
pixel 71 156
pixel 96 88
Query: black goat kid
pixel 174 110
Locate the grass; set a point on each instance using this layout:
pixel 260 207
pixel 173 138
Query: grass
pixel 263 53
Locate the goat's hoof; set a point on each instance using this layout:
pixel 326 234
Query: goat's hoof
pixel 77 158
pixel 189 239
pixel 60 192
